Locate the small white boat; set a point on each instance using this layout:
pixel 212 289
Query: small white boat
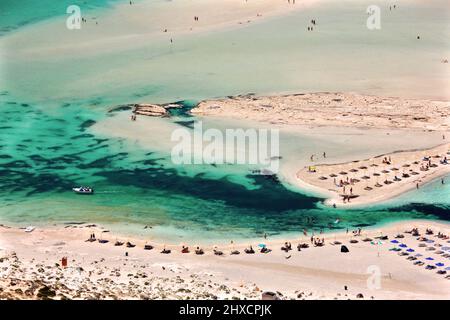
pixel 29 229
pixel 83 190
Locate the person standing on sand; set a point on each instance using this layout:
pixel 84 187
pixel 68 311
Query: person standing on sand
pixel 324 154
pixel 417 185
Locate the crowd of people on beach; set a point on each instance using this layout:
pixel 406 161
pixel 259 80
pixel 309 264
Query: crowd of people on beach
pixel 424 242
pixel 346 185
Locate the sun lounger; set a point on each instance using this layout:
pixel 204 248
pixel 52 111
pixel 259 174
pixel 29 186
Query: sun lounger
pixel 199 252
pixel 130 245
pixel 118 243
pixel 166 251
pixel 148 247
pixel 185 250
pixel 319 244
pixel 218 253
pixel 235 252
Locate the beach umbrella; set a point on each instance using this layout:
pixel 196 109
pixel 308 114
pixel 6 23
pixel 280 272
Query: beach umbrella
pixel 418 255
pixel 333 175
pixel 353 170
pixel 394 241
pixel 448 268
pixel 261 245
pixel 363 168
pixel 343 173
pixel 429 258
pixel 439 264
pixel 406 166
pixel 410 250
pixel 385 171
pixel 376 174
pixel 445 248
pixel 403 246
pixel 429 241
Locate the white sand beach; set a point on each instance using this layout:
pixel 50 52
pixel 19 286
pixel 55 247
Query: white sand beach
pixel 31 266
pixel 363 182
pixel 320 111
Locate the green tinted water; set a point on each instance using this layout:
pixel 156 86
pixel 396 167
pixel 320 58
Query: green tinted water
pixel 50 103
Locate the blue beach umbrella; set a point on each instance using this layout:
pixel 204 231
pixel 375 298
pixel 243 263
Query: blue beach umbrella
pixel 439 264
pixel 448 268
pixel 419 255
pixel 445 248
pixel 403 246
pixel 394 241
pixel 429 241
pixel 410 250
pixel 429 258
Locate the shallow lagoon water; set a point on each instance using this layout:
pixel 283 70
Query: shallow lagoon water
pixel 50 105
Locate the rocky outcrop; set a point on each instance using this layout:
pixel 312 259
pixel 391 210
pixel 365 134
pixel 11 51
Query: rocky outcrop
pixel 151 110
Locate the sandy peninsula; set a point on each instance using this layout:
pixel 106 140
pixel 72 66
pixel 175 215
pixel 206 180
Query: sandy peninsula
pixel 409 265
pixel 146 21
pixel 333 109
pixel 363 182
pixel 357 181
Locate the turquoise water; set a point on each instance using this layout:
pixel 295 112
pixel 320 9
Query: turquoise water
pixel 47 145
pixel 16 14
